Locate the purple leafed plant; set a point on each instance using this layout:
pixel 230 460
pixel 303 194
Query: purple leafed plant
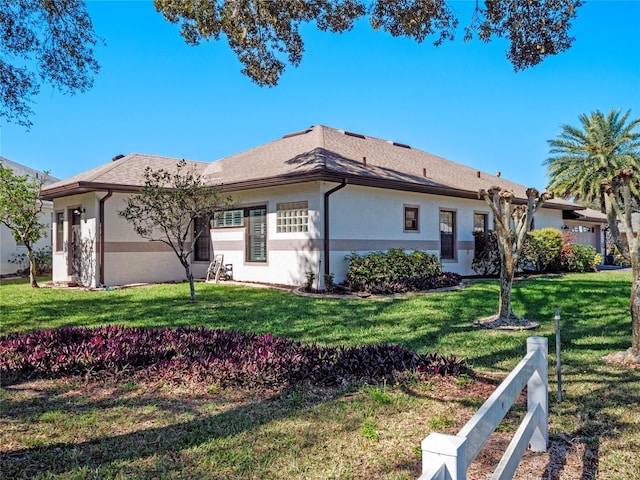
pixel 227 358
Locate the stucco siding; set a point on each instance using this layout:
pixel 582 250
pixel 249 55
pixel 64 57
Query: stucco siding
pixel 289 254
pixel 547 218
pixel 128 258
pixel 367 219
pixel 126 268
pixel 88 268
pixel 9 249
pixel 361 219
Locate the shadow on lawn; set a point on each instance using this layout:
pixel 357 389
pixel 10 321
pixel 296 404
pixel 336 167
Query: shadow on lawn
pixel 122 452
pixel 596 395
pixel 607 406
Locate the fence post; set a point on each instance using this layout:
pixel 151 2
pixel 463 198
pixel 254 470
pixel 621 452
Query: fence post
pixel 449 449
pixel 538 393
pixel 558 359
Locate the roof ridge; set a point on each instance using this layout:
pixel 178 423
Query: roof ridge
pixel 322 143
pixel 109 166
pixel 166 157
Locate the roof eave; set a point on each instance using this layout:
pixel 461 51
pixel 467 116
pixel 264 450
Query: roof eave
pixel 78 188
pixel 352 179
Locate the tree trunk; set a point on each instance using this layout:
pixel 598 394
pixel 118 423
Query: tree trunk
pixel 506 282
pixel 635 305
pixel 192 287
pixel 33 272
pixel 507 271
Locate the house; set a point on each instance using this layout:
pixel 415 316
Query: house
pixel 302 203
pixel 10 250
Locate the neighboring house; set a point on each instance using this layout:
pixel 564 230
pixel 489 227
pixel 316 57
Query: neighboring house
pixel 9 248
pixel 302 203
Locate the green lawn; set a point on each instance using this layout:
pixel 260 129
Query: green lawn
pixel 75 430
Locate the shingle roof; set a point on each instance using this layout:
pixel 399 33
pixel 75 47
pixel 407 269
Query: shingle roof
pixel 587 214
pixel 322 150
pixel 126 174
pixel 317 153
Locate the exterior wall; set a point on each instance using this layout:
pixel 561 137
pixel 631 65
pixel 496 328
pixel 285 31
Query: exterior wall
pixel 289 255
pixel 128 258
pixel 362 219
pixel 547 218
pixel 367 219
pixel 89 232
pixel 9 249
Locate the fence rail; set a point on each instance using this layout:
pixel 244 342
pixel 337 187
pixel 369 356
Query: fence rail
pixel 447 457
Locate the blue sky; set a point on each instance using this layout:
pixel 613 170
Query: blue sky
pixel 463 101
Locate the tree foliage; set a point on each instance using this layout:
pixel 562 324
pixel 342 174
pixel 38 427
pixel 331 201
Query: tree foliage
pixel 510 245
pixel 20 209
pixel 43 42
pixel 166 208
pixel 265 34
pixel 581 158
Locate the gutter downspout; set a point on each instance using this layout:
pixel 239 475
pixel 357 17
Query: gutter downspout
pixel 101 236
pixel 327 269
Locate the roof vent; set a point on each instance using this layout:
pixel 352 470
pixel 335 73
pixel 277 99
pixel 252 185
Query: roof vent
pixel 352 134
pixel 295 134
pixel 364 161
pixel 117 157
pixel 424 172
pixel 478 173
pixel 397 144
pixel 498 174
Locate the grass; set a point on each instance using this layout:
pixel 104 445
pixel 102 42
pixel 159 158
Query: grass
pixel 69 429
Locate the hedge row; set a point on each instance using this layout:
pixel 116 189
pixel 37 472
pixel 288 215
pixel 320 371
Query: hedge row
pixel 545 250
pixel 396 271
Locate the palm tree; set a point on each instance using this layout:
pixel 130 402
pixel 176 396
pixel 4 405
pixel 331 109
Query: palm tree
pixel 581 158
pixel 603 161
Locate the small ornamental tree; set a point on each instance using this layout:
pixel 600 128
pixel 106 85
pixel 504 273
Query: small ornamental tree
pixel 166 208
pixel 620 200
pixel 20 208
pixel 510 245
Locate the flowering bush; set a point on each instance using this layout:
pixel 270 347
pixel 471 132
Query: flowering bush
pixel 227 358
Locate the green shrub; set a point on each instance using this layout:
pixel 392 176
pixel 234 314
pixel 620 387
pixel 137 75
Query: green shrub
pixel 542 249
pixel 43 258
pixel 329 284
pixel 545 250
pixel 395 266
pixel 579 258
pixel 308 284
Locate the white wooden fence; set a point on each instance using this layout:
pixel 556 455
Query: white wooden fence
pixel 447 457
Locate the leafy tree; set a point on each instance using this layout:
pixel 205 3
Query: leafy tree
pixel 620 199
pixel 43 41
pixel 52 41
pixel 265 34
pixel 581 158
pixel 510 245
pixel 166 208
pixel 20 210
